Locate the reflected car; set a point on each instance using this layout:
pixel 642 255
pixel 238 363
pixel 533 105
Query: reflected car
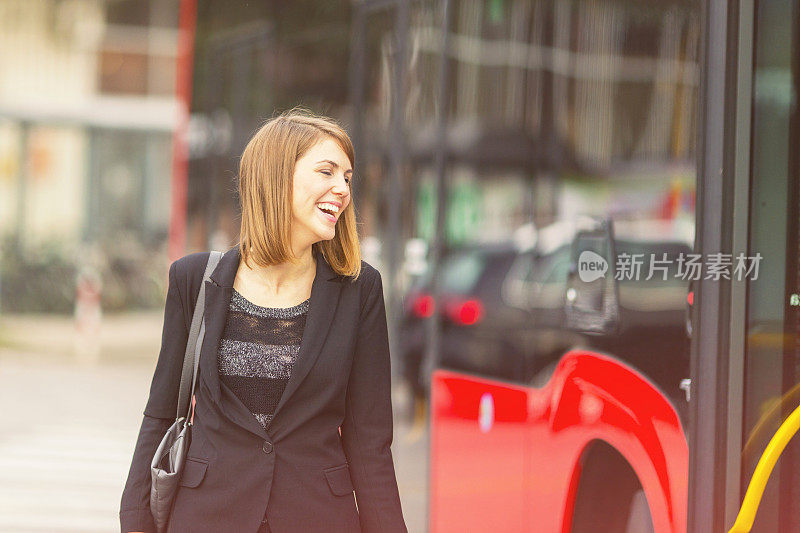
pixel 479 328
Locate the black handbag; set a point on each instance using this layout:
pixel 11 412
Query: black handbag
pixel 170 456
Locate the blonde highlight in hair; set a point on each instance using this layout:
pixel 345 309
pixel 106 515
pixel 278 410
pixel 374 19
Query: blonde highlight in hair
pixel 266 171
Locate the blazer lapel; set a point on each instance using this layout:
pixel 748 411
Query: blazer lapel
pixel 321 310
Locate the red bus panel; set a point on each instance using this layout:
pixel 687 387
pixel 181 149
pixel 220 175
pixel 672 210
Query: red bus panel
pixel 508 458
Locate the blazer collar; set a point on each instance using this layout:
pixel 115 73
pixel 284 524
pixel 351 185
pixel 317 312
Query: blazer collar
pixel 225 272
pixel 322 308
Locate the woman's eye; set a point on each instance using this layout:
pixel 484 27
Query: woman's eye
pixel 329 173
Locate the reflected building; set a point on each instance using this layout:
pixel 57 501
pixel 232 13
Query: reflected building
pixel 554 108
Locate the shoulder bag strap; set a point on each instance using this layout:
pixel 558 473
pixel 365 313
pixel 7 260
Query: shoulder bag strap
pixel 195 341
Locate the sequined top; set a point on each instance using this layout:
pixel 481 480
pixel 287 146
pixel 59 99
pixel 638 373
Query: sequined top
pixel 257 352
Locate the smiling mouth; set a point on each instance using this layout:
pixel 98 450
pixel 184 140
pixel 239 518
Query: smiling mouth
pixel 327 214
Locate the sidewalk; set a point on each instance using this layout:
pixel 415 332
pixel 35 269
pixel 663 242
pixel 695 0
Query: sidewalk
pixel 126 335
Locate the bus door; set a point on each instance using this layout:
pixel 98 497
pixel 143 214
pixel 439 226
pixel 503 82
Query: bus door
pixel 746 380
pixel 771 381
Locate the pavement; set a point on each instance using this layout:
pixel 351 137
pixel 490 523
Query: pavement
pixel 118 336
pixel 66 445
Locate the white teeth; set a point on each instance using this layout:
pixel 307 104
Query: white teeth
pixel 328 207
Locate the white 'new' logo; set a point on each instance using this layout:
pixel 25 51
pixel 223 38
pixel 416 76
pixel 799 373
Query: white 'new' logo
pixel 591 266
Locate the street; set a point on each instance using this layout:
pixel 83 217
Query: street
pixel 69 427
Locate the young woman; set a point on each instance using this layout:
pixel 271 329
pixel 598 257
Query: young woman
pixel 293 416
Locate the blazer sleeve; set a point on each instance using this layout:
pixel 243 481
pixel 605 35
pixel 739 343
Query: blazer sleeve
pixel 159 413
pixel 367 427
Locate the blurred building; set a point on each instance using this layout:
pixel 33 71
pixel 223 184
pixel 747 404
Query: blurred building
pixel 87 109
pixel 87 112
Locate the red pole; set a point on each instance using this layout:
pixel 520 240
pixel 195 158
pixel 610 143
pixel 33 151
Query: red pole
pixel 187 25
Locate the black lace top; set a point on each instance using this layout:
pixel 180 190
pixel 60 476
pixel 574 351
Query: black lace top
pixel 257 352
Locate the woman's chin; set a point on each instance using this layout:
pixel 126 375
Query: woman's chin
pixel 326 235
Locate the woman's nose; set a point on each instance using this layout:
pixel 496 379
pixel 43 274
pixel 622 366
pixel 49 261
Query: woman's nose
pixel 343 194
pixel 340 187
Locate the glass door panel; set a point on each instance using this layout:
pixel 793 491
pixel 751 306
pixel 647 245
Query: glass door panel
pixel 772 357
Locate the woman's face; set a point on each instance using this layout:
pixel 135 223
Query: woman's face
pixel 320 192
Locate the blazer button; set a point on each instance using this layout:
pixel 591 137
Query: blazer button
pixel 267 447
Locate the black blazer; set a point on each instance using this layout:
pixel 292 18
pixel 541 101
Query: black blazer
pixel 300 473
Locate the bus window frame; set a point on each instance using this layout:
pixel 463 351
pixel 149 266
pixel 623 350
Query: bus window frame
pixel 719 310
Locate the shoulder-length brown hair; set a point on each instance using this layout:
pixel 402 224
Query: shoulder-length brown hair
pixel 266 171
